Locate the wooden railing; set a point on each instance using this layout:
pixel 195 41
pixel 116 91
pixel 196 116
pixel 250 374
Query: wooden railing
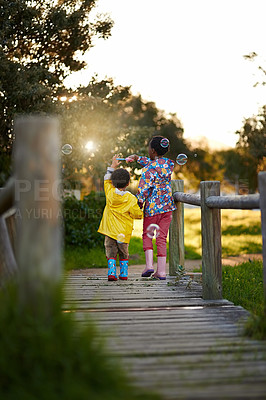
pixel 211 203
pixel 8 264
pixel 35 253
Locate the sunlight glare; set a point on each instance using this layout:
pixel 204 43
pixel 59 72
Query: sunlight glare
pixel 89 145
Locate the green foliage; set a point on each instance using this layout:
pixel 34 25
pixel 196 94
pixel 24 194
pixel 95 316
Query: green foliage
pixel 240 170
pixel 252 136
pixel 116 122
pixel 251 149
pixel 39 42
pixel 203 165
pixel 243 285
pixel 82 220
pixel 53 358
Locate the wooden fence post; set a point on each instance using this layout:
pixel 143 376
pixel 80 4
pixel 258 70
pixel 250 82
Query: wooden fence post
pixel 37 172
pixel 10 218
pixel 211 244
pixel 8 265
pixel 262 190
pixel 176 232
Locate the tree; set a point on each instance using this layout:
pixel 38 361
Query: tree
pixel 139 113
pixel 252 136
pixel 252 146
pixel 116 122
pixel 40 44
pixel 93 116
pixel 239 170
pixel 253 57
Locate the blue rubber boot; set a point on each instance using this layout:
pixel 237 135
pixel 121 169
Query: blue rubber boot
pixel 123 270
pixel 112 269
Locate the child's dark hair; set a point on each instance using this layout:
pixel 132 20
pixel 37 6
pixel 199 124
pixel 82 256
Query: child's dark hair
pixel 160 144
pixel 120 178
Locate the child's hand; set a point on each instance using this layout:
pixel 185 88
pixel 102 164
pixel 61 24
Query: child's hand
pixel 140 204
pixel 132 158
pixel 115 162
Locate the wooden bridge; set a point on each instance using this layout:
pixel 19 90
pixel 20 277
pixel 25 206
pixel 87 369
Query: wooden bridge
pixel 169 339
pixel 175 337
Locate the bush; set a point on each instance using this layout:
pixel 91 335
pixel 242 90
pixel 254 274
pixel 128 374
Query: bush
pixel 52 357
pixel 82 220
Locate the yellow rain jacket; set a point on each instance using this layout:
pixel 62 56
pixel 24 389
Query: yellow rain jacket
pixel 120 211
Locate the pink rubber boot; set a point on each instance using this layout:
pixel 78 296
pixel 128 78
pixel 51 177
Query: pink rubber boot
pixel 160 273
pixel 149 264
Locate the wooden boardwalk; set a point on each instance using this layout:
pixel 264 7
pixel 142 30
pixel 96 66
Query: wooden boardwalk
pixel 169 339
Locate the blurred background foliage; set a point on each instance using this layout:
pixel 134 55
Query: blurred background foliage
pixel 81 220
pixel 41 43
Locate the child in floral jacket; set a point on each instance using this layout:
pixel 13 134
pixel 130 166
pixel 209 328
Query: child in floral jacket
pixel 155 191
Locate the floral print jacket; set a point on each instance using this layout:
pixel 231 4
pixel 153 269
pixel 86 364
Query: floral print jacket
pixel 155 185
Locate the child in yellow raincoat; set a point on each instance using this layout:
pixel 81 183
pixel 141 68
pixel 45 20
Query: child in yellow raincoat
pixel 117 221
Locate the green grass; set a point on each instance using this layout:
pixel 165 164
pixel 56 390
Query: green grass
pixel 241 234
pixel 243 285
pixel 80 258
pixel 49 356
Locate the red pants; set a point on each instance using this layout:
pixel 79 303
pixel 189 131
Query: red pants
pixel 163 221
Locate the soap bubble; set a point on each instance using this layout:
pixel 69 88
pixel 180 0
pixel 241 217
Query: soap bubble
pixel 120 238
pixel 164 143
pixel 150 230
pixel 181 159
pixel 66 149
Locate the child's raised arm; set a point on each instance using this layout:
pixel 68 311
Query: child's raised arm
pixel 133 157
pixel 115 162
pixel 141 160
pixel 107 177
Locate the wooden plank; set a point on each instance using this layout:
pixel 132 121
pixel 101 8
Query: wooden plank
pixel 176 232
pixel 211 243
pixel 148 303
pixel 169 344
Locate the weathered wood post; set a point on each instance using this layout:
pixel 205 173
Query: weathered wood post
pixel 37 173
pixel 176 232
pixel 8 265
pixel 262 190
pixel 10 218
pixel 211 243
